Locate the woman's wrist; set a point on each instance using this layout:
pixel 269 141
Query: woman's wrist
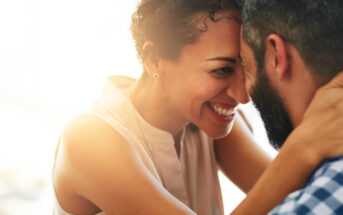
pixel 288 172
pixel 302 150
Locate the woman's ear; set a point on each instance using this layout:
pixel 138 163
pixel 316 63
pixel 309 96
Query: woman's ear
pixel 151 59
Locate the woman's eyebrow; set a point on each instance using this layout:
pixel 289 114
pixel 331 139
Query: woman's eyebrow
pixel 232 60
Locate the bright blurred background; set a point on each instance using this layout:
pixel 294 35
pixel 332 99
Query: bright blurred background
pixel 54 58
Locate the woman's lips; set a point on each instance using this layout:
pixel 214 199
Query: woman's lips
pixel 223 113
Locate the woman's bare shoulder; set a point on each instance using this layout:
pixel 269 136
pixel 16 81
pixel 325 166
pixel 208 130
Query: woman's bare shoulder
pixel 95 163
pixel 87 140
pixel 91 152
pixel 90 149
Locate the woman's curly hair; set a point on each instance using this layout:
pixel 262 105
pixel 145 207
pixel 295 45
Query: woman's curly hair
pixel 170 24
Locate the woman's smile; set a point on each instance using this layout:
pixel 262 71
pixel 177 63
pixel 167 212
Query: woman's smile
pixel 222 113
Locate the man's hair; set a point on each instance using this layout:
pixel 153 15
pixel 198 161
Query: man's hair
pixel 313 27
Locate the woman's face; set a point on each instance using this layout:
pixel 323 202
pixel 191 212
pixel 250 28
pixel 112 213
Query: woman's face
pixel 206 83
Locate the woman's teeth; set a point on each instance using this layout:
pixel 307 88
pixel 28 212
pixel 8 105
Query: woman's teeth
pixel 223 112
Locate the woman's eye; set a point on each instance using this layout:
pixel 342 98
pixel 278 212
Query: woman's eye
pixel 222 72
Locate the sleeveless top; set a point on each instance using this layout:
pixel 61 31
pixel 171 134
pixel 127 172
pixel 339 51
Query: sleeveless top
pixel 191 177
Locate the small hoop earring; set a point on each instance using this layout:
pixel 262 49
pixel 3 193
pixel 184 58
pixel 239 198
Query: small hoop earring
pixel 155 75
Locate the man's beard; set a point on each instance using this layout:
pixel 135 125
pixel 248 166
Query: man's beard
pixel 273 112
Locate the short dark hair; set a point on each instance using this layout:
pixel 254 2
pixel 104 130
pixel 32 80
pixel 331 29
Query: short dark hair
pixel 170 24
pixel 313 27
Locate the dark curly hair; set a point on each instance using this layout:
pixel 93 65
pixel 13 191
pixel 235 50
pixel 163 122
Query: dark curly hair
pixel 171 24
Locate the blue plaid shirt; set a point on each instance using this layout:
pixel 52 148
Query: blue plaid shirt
pixel 322 195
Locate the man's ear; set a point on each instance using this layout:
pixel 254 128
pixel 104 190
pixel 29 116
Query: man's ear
pixel 151 59
pixel 277 55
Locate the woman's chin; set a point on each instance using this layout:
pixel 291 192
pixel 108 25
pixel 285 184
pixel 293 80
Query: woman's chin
pixel 218 133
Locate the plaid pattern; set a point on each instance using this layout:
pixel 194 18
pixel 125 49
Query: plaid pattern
pixel 322 195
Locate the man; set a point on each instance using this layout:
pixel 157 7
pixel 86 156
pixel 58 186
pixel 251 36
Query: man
pixel 289 49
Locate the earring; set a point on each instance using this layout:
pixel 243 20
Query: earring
pixel 155 75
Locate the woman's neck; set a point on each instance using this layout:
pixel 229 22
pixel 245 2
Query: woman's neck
pixel 152 102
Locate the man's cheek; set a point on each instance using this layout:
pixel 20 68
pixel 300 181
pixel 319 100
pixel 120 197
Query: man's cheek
pixel 249 82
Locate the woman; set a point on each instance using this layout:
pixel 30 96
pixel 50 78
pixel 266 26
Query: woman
pixel 152 145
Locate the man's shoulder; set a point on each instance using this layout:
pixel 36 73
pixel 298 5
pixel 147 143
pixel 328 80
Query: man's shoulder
pixel 328 169
pixel 323 194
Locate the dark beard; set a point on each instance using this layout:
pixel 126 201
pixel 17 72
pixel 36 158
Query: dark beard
pixel 273 113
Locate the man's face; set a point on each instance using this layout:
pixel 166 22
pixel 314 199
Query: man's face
pixel 266 99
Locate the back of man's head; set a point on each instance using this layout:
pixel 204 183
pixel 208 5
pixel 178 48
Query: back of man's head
pixel 313 27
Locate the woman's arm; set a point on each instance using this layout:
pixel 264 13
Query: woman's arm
pixel 239 157
pixel 319 136
pixel 96 165
pixel 284 175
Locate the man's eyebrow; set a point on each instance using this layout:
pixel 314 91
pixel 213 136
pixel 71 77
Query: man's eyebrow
pixel 232 60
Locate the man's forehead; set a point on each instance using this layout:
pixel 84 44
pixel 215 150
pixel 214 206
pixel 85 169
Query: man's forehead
pixel 241 32
pixel 242 42
pixel 243 49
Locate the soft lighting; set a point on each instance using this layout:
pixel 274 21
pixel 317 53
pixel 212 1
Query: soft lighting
pixel 54 59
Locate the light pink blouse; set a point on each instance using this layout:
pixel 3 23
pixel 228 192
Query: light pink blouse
pixel 192 178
